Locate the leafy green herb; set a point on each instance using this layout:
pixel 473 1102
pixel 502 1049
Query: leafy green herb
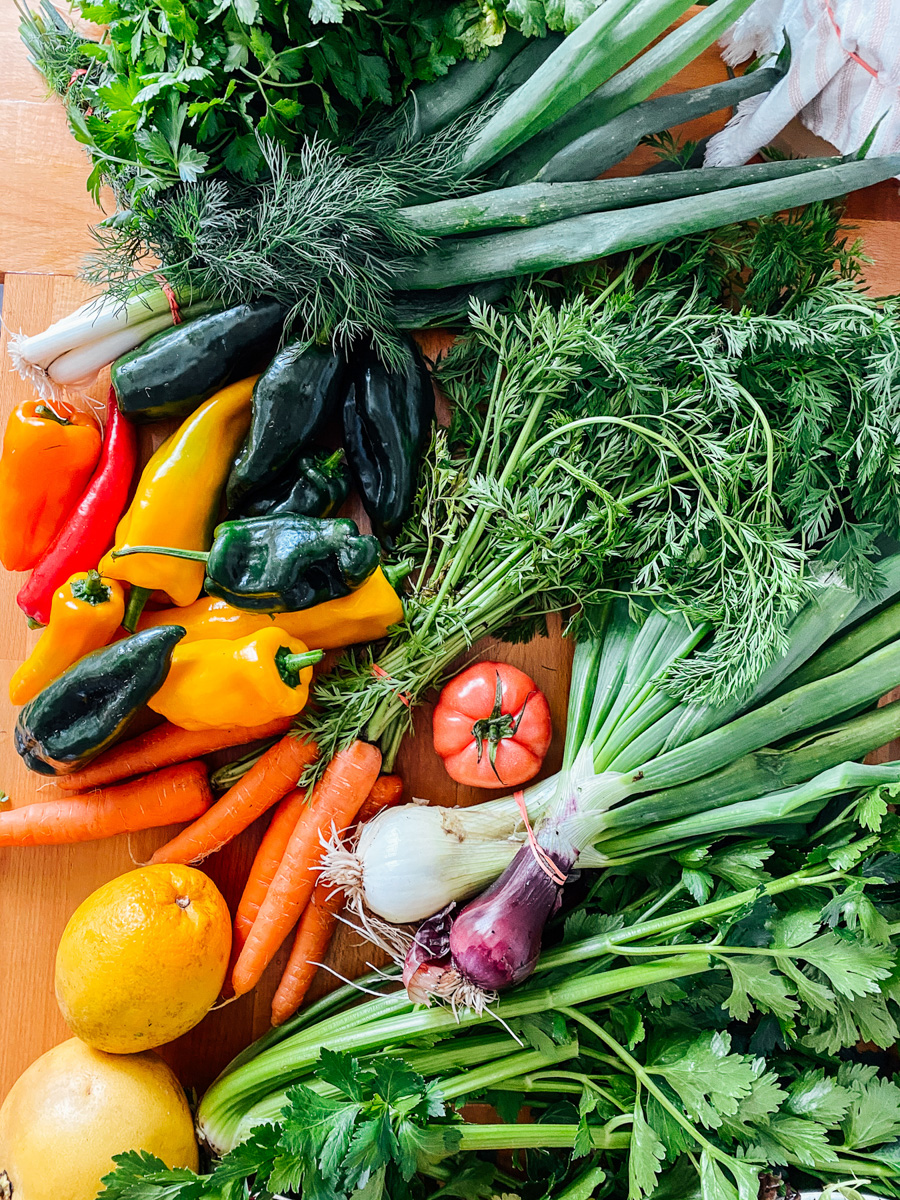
pixel 184 87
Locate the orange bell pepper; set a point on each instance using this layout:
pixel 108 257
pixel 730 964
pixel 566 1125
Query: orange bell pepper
pixel 49 454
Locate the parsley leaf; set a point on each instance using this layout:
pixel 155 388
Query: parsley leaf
pixel 753 979
pixel 874 1114
pixel 645 1157
pixel 709 1080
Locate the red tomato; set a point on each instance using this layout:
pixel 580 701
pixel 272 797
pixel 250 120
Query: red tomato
pixel 492 726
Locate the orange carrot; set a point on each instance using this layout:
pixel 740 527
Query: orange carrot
pixel 314 932
pixel 272 777
pixel 177 793
pixel 265 865
pixel 161 747
pixel 320 915
pixel 387 792
pixel 336 799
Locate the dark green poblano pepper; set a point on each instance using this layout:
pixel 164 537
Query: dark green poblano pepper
pixel 281 564
pixel 86 708
pixel 292 399
pixel 315 486
pixel 387 426
pixel 173 372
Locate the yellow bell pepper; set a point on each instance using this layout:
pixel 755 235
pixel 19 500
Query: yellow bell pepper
pixel 363 616
pixel 177 500
pixel 219 684
pixel 84 616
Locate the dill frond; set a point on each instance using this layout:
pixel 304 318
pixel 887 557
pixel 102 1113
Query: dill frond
pixel 320 234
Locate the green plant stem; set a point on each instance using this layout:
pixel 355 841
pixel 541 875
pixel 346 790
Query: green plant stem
pixel 229 1097
pixel 641 1074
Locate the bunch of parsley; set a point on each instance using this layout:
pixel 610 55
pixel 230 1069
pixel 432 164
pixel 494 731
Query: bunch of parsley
pixel 177 89
pixel 730 983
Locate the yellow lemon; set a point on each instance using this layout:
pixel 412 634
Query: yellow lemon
pixel 74 1108
pixel 143 959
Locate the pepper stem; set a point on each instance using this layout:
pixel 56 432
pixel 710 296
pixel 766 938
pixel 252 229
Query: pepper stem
pixel 395 573
pixel 332 464
pixel 168 551
pixel 91 589
pixel 46 413
pixel 137 598
pixel 290 665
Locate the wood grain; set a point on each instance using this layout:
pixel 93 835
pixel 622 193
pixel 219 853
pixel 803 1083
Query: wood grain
pixel 44 214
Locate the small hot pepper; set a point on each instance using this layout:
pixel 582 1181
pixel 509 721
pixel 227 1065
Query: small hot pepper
pixel 177 501
pixel 315 486
pixel 280 564
pixel 219 684
pixel 48 456
pixel 84 615
pixel 83 711
pixel 363 616
pixel 88 532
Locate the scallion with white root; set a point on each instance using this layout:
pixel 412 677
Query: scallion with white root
pixel 74 350
pixel 641 774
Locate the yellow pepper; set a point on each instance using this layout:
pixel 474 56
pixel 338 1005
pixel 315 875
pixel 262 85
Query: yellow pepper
pixel 219 684
pixel 177 500
pixel 84 615
pixel 363 616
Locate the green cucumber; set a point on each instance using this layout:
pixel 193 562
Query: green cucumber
pixel 533 204
pixel 454 262
pixel 434 105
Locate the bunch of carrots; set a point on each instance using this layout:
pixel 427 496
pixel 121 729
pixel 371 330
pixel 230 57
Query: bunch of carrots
pixel 156 779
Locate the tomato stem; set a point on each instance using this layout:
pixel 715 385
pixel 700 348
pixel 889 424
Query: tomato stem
pixel 491 731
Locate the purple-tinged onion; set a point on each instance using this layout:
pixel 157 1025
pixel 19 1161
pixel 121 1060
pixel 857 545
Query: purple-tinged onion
pixel 428 958
pixel 496 939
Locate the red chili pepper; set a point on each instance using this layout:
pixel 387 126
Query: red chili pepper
pixel 90 530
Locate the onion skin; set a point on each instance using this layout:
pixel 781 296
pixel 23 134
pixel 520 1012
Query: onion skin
pixel 496 939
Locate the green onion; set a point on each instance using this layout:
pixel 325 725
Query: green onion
pixel 600 46
pixel 606 126
pixel 73 350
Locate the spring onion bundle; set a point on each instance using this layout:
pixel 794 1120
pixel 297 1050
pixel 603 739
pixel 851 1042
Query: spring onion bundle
pixel 71 352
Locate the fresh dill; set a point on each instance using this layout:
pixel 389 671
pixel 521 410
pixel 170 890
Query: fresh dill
pixel 320 233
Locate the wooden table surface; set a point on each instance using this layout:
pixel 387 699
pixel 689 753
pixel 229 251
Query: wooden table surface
pixel 44 218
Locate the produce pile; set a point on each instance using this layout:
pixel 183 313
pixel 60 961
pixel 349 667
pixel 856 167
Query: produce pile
pixel 668 969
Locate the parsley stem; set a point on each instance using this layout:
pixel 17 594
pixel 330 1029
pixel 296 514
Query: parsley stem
pixel 536 1136
pixel 611 942
pixel 568 1082
pixel 643 1076
pixel 475 1080
pixel 362 1030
